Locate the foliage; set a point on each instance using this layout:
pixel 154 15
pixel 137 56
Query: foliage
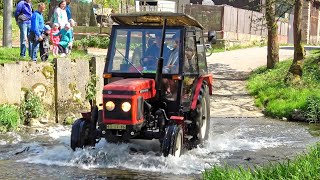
pixel 91 91
pixel 312 111
pixel 280 99
pixel 305 166
pixel 31 107
pixel 92 41
pixel 9 117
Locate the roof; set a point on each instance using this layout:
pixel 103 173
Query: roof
pixel 155 19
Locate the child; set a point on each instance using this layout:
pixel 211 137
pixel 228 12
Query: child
pixel 72 24
pixel 44 44
pixel 55 39
pixel 65 39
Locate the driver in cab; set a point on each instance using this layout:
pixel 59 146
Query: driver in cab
pixel 153 52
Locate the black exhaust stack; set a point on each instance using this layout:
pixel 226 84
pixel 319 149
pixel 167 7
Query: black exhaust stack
pixel 160 63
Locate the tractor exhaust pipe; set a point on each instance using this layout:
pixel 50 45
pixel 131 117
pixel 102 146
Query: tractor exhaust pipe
pixel 160 63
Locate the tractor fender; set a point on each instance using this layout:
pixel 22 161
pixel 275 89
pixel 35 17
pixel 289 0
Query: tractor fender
pixel 204 78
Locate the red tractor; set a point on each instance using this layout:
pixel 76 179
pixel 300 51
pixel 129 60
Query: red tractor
pixel 156 85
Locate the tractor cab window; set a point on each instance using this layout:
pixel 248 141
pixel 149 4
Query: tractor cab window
pixel 138 50
pixel 201 53
pixel 190 59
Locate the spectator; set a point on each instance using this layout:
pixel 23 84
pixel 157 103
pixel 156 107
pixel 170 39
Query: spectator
pixel 72 24
pixel 44 44
pixel 65 39
pixel 68 10
pixel 55 39
pixel 153 52
pixel 60 14
pixel 37 25
pixel 23 15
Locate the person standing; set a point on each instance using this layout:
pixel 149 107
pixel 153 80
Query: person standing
pixel 60 14
pixel 44 44
pixel 68 10
pixel 23 15
pixel 37 26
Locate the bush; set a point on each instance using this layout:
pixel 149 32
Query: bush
pixel 31 107
pixel 92 41
pixel 312 110
pixel 9 117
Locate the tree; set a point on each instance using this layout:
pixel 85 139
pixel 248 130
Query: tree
pixel 7 24
pixel 295 71
pixel 273 43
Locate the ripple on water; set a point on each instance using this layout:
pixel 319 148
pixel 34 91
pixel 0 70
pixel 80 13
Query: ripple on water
pixel 146 155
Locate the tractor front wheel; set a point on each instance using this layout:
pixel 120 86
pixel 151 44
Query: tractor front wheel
pixel 173 141
pixel 82 134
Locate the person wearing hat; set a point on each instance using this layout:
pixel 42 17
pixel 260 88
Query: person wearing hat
pixel 153 52
pixel 55 39
pixel 65 38
pixel 44 44
pixel 37 26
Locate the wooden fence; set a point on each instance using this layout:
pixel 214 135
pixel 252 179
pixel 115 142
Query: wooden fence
pixel 234 24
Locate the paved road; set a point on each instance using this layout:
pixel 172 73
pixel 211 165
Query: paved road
pixel 230 69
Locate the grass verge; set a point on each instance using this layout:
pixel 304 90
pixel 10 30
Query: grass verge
pixel 279 99
pixel 8 55
pixel 305 166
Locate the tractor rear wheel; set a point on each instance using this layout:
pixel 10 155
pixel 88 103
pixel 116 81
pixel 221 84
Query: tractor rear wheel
pixel 82 134
pixel 201 120
pixel 173 141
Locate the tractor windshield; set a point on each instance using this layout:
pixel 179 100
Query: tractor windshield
pixel 138 50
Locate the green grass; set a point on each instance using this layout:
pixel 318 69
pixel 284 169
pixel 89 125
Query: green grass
pixel 8 55
pixel 305 166
pixel 9 117
pixel 279 99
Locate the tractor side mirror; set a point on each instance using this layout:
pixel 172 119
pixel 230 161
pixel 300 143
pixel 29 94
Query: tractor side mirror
pixel 212 37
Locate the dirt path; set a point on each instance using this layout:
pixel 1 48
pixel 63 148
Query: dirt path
pixel 230 70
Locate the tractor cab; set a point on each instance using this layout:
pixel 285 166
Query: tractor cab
pixel 156 84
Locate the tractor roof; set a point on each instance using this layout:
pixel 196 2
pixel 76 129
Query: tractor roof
pixel 155 19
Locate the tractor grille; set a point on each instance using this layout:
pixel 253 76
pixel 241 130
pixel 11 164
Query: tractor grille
pixel 117 113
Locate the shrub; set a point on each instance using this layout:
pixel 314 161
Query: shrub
pixel 312 110
pixel 9 117
pixel 92 41
pixel 31 107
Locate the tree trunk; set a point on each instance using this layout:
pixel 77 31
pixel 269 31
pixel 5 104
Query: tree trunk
pixel 273 44
pixel 295 71
pixel 7 24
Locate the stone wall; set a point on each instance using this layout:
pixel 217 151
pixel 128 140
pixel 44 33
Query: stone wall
pixel 10 83
pixel 61 86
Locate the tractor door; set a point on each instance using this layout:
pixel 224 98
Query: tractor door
pixel 190 68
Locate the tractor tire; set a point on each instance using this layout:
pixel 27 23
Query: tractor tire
pixel 82 134
pixel 172 143
pixel 201 120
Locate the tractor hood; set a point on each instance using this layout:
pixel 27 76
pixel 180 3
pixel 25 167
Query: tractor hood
pixel 132 86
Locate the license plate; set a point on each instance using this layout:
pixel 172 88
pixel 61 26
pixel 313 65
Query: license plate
pixel 116 126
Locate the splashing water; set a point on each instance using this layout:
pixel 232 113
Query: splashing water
pixel 145 155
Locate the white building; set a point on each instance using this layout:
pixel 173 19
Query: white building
pixel 160 5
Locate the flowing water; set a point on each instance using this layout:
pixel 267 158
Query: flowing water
pixel 233 141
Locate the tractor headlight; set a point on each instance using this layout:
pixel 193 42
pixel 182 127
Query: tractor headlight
pixel 110 106
pixel 126 106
